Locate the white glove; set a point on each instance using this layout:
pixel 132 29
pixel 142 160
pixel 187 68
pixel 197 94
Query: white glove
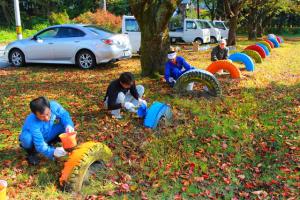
pixel 129 105
pixel 142 101
pixel 229 60
pixel 59 152
pixel 69 129
pixel 172 80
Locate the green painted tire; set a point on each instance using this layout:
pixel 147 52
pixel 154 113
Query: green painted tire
pixel 254 55
pixel 266 44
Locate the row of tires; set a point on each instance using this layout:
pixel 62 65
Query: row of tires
pixel 250 55
pixel 76 168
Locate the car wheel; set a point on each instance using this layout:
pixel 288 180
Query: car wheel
pixel 213 40
pixel 17 58
pixel 86 59
pixel 199 40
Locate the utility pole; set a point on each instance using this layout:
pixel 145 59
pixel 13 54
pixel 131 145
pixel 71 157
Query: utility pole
pixel 18 19
pixel 198 10
pixel 104 5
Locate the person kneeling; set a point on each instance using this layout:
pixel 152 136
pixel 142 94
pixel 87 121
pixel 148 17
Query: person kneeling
pixel 47 120
pixel 123 93
pixel 220 52
pixel 175 67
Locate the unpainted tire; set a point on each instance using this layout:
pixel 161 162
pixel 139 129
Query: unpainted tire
pixel 201 76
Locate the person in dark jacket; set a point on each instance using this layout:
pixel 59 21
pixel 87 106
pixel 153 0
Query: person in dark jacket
pixel 123 93
pixel 220 52
pixel 42 127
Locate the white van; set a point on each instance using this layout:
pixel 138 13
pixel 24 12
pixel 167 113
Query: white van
pixel 131 28
pixel 215 33
pixel 192 30
pixel 222 27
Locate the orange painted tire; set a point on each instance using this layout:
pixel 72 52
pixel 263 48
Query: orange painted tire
pixel 270 43
pixel 225 65
pixel 76 167
pixel 257 48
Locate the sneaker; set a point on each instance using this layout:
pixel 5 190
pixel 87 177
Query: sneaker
pixel 33 159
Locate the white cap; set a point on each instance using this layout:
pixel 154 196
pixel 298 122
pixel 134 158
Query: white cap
pixel 223 41
pixel 172 55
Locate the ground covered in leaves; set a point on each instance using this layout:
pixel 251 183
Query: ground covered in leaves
pixel 244 145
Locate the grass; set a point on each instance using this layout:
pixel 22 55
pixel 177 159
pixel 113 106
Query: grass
pixel 224 148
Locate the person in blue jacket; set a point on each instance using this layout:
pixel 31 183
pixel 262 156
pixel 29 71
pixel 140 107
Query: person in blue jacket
pixel 42 127
pixel 175 67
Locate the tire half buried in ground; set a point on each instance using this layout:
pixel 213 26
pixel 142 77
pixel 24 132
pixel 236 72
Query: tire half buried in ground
pixel 201 76
pixel 77 166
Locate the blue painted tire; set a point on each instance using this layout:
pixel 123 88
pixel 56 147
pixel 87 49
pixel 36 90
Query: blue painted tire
pixel 275 42
pixel 157 112
pixel 244 58
pixel 265 48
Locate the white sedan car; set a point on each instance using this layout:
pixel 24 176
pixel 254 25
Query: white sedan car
pixel 83 45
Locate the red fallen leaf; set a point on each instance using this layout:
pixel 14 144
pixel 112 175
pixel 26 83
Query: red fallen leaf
pixel 207 192
pixel 177 197
pixel 226 180
pixel 110 193
pixel 183 189
pixel 285 169
pixel 192 167
pixel 274 182
pixel 249 185
pixel 199 179
pixel 205 176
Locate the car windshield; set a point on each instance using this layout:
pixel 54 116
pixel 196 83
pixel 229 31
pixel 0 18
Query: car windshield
pixel 99 30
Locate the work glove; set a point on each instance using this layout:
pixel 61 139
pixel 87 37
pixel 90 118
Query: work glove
pixel 172 80
pixel 59 152
pixel 69 129
pixel 130 106
pixel 142 101
pixel 229 60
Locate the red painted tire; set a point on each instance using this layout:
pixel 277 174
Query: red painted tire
pixel 225 65
pixel 257 48
pixel 270 43
pixel 278 39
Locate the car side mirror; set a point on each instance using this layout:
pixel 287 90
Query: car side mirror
pixel 39 40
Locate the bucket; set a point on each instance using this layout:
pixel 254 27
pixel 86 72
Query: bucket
pixel 68 140
pixel 3 186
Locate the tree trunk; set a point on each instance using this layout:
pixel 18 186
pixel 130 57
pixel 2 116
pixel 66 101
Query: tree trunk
pixel 260 28
pixel 153 18
pixel 154 48
pixel 7 15
pixel 233 22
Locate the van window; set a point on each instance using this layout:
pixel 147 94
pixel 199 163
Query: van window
pixel 219 25
pixel 131 25
pixel 203 25
pixel 191 25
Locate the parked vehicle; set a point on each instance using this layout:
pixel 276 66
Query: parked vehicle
pixel 215 33
pixel 192 30
pixel 83 45
pixel 131 28
pixel 222 27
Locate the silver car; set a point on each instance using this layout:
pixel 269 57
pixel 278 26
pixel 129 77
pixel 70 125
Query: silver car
pixel 83 45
